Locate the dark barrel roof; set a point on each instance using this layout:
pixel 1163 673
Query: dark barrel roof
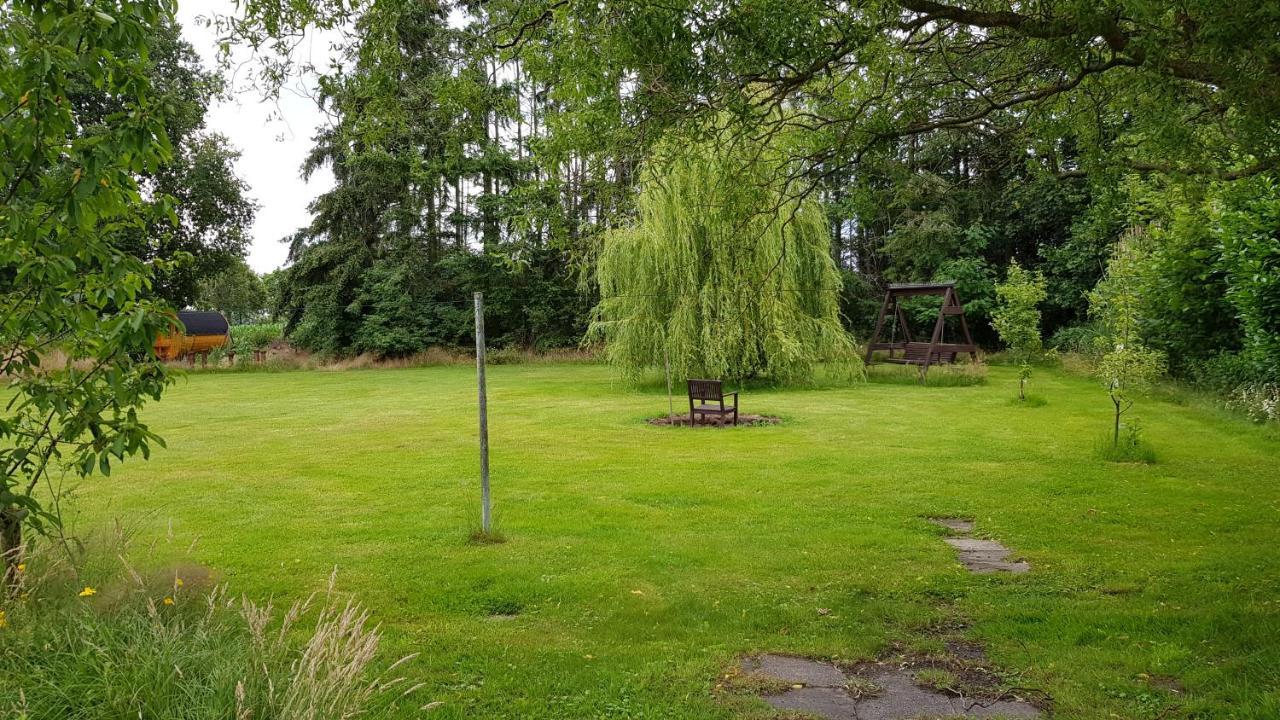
pixel 203 322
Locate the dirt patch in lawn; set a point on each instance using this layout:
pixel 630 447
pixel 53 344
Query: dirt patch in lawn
pixel 748 420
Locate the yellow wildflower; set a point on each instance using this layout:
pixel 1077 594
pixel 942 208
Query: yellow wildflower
pixel 22 567
pixel 4 621
pixel 168 601
pixel 88 591
pixel 177 582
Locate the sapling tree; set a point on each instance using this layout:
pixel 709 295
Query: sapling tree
pixel 76 324
pixel 1127 367
pixel 1017 319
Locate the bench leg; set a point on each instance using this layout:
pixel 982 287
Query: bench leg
pixel 735 416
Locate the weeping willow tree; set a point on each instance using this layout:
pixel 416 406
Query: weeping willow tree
pixel 726 272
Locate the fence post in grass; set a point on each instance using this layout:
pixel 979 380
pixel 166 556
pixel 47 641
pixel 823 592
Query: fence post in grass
pixel 484 414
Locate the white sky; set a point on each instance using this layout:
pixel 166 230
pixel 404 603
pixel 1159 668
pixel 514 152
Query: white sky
pixel 273 137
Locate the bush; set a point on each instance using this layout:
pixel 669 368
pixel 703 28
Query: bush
pixel 82 643
pixel 1224 372
pixel 247 338
pixel 1246 386
pixel 1261 402
pixel 1077 339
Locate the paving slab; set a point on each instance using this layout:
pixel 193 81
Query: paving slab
pixel 986 556
pixel 956 525
pixel 821 692
pixel 900 697
pixel 797 671
pixel 824 702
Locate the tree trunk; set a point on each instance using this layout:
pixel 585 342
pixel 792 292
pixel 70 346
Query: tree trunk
pixel 1115 437
pixel 10 544
pixel 433 225
pixel 459 231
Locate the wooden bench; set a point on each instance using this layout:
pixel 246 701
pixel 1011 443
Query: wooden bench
pixel 704 392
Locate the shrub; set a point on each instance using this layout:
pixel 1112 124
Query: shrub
pixel 1077 339
pixel 257 336
pixel 1224 372
pixel 1250 236
pixel 1261 401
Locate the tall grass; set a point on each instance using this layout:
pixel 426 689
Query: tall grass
pixel 87 637
pixel 948 375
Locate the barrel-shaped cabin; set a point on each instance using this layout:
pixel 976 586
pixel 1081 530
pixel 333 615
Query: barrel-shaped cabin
pixel 196 333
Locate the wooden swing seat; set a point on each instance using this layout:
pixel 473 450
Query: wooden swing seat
pixel 917 353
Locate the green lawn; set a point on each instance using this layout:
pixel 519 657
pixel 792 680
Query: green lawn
pixel 641 561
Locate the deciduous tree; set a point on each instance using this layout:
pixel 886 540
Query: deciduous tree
pixel 1127 366
pixel 1017 319
pixel 76 315
pixel 725 272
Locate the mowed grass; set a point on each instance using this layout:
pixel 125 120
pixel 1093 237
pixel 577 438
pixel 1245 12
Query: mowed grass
pixel 641 562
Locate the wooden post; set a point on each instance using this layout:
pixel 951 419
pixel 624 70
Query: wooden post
pixel 875 334
pixel 484 415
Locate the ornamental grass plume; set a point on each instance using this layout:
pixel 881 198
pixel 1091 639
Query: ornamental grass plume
pixel 198 653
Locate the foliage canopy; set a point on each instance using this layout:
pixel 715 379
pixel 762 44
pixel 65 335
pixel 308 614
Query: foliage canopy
pixel 1127 366
pixel 77 318
pixel 1017 318
pixel 726 272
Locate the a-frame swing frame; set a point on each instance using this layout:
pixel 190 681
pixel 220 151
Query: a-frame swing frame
pixel 921 354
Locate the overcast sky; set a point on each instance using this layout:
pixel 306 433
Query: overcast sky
pixel 273 147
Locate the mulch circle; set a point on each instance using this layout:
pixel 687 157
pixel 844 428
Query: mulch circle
pixel 748 420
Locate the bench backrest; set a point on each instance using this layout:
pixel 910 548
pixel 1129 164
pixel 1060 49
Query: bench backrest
pixel 705 390
pixel 917 352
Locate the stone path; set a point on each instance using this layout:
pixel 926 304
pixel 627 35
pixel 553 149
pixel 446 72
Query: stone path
pixel 877 692
pixel 978 555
